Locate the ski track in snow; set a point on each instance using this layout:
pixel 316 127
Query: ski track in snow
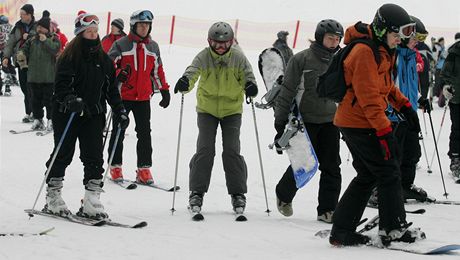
pixel 177 237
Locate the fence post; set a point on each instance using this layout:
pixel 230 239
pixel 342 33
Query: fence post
pixel 109 14
pixel 237 22
pixel 173 22
pixel 296 34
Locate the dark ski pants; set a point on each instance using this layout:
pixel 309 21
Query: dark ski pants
pixel 409 145
pixel 141 111
pixel 42 93
pixel 454 138
pixel 202 162
pixel 424 83
pixel 372 170
pixel 25 88
pixel 88 131
pixel 325 139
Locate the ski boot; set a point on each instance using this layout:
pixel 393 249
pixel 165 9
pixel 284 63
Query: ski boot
pixel 27 119
pixel 415 193
pixel 326 217
pixel 91 204
pixel 455 167
pixel 54 202
pixel 38 125
pixel 195 201
pixel 342 237
pixel 116 173
pixel 144 175
pixel 238 203
pixel 284 208
pixel 402 234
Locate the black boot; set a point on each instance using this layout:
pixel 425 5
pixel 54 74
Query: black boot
pixel 342 237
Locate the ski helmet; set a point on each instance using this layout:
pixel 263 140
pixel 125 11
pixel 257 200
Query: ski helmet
pixel 328 26
pixel 392 18
pixel 3 19
pixel 221 32
pixel 457 36
pixel 140 16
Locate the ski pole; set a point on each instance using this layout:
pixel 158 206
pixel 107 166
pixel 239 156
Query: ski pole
pixel 177 152
pixel 439 132
pixel 424 124
pixel 112 153
pixel 260 155
pixel 61 140
pixel 424 152
pixel 437 153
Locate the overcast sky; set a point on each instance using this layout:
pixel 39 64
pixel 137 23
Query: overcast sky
pixel 439 13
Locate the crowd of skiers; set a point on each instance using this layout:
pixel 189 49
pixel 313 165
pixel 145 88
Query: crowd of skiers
pixel 388 79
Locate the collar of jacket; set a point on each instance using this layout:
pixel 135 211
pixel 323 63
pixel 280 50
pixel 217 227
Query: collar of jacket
pixel 220 59
pixel 136 38
pixel 322 52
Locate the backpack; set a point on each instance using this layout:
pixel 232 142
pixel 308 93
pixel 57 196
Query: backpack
pixel 331 84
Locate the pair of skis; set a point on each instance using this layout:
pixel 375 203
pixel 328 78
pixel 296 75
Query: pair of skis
pixel 131 185
pixel 195 211
pixel 85 221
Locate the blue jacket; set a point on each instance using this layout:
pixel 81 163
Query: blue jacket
pixel 406 78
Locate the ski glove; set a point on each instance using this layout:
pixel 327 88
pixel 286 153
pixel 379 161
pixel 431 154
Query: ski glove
pixel 411 117
pixel 448 92
pixel 182 85
pixel 425 104
pixel 388 143
pixel 122 118
pixel 279 132
pixel 123 75
pixel 73 103
pixel 250 89
pixel 165 98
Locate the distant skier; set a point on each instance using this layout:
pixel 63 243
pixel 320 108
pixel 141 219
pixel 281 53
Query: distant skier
pixel 317 113
pixel 282 46
pixel 116 33
pixel 85 81
pixel 10 71
pixel 225 76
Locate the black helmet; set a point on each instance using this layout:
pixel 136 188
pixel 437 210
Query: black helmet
pixel 221 32
pixel 392 18
pixel 419 26
pixel 328 26
pixel 457 36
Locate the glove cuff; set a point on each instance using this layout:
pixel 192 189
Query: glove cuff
pixel 383 131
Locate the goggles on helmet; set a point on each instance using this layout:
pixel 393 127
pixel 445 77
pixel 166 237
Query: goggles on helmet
pixel 406 31
pixel 88 19
pixel 215 45
pixel 142 16
pixel 421 37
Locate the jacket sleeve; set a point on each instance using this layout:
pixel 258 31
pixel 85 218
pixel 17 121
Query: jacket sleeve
pixel 396 97
pixel 63 83
pixel 115 53
pixel 158 74
pixel 112 93
pixel 194 71
pixel 447 72
pixel 292 79
pixel 247 70
pixel 12 40
pixel 52 45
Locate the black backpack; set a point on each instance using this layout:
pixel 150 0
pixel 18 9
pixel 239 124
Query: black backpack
pixel 331 84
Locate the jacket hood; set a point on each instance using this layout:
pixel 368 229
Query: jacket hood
pixel 357 31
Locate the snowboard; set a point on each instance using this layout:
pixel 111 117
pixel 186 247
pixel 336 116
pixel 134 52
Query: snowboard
pixel 295 140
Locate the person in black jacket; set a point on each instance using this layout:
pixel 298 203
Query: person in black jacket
pixel 85 81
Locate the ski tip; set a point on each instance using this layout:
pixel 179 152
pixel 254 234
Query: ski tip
pixel 44 232
pixel 174 188
pixel 140 224
pixel 131 186
pixel 198 217
pixel 241 218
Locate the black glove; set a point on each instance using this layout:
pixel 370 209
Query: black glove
pixel 411 117
pixel 425 104
pixel 250 89
pixel 182 85
pixel 279 132
pixel 121 118
pixel 123 75
pixel 73 103
pixel 165 98
pixel 388 143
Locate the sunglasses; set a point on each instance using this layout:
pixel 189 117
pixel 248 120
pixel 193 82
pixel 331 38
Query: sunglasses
pixel 421 36
pixel 89 19
pixel 220 45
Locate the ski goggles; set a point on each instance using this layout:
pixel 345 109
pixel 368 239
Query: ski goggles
pixel 220 45
pixel 406 31
pixel 421 37
pixel 88 19
pixel 142 16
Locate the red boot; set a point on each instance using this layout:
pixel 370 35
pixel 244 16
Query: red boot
pixel 116 173
pixel 144 175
